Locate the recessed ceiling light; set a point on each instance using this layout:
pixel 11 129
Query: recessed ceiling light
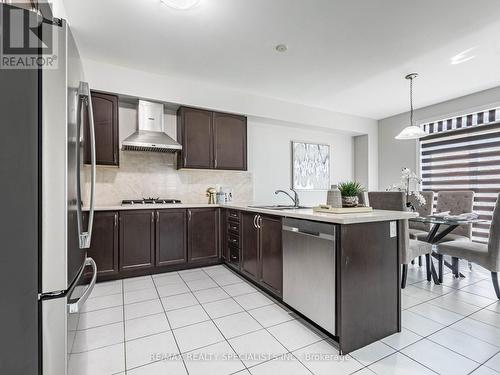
pixel 181 4
pixel 462 56
pixel 281 48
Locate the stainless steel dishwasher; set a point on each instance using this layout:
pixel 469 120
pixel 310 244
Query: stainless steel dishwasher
pixel 309 270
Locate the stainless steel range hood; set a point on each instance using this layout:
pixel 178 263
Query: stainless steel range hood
pixel 151 135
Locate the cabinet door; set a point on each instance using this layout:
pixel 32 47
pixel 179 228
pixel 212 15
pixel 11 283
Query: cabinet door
pixel 105 109
pixel 249 245
pixel 171 237
pixel 230 141
pixel 136 239
pixel 203 232
pixel 195 131
pixel 104 244
pixel 271 253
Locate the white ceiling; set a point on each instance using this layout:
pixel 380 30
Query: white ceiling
pixel 344 55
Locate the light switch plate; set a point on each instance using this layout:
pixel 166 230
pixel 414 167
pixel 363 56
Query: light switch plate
pixel 393 229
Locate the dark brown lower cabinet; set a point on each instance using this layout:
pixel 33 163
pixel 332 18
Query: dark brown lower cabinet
pixel 262 250
pixel 171 237
pixel 203 234
pixel 271 253
pixel 250 245
pixel 104 244
pixel 137 230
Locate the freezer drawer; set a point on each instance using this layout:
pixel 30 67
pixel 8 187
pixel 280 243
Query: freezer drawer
pixel 60 322
pixel 309 270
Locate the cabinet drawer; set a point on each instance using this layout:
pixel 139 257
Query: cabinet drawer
pixel 234 255
pixel 233 215
pixel 233 227
pixel 233 240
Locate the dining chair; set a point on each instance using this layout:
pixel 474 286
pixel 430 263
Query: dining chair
pixel 409 248
pixel 485 255
pixel 456 202
pixel 426 209
pixel 423 210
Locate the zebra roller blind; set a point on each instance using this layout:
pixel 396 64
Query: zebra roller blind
pixel 463 153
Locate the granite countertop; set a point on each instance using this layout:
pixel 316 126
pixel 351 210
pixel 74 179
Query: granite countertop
pixel 299 213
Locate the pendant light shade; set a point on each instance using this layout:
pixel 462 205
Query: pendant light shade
pixel 181 4
pixel 412 131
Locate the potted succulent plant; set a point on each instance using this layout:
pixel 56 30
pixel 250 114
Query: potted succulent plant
pixel 350 191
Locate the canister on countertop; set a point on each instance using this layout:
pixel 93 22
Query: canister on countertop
pixel 334 197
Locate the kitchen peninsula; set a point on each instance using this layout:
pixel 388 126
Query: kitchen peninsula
pixel 339 271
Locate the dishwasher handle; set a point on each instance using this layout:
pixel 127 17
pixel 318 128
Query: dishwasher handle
pixel 324 236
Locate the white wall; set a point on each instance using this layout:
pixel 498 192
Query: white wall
pixel 269 152
pixel 395 155
pixel 125 81
pixel 361 159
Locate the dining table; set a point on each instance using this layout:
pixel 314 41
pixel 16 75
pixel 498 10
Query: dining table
pixel 435 236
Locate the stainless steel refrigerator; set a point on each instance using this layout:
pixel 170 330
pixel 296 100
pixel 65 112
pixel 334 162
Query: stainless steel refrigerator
pixel 45 275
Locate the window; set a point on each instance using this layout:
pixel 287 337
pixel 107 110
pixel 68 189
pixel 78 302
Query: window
pixel 464 154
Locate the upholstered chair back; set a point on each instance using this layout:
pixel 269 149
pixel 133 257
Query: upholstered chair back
pixel 457 202
pixel 387 200
pixel 494 240
pixel 394 201
pixel 423 210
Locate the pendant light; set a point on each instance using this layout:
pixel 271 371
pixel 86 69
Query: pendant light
pixel 412 131
pixel 181 4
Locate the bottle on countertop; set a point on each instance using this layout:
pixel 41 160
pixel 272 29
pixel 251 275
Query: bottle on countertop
pixel 334 197
pixel 219 198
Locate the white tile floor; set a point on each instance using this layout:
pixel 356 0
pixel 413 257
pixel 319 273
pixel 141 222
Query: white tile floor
pixel 210 321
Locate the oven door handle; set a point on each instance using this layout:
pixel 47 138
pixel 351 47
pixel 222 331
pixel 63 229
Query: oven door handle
pixel 76 307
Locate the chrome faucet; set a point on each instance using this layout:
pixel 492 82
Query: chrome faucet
pixel 295 198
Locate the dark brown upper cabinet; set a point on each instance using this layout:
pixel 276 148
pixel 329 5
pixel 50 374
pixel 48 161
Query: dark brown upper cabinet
pixel 171 229
pixel 203 233
pixel 230 141
pixel 211 140
pixel 194 132
pixel 105 109
pixel 137 233
pixel 104 244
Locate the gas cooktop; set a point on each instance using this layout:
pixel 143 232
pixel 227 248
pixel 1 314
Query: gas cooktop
pixel 150 201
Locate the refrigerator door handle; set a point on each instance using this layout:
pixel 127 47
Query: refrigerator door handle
pixel 84 96
pixel 76 306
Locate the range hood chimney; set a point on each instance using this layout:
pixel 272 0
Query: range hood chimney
pixel 151 135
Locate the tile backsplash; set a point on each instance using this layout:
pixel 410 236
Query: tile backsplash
pixel 150 174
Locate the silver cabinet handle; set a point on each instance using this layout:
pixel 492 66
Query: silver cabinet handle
pixel 152 216
pixel 255 221
pixel 157 216
pixel 259 222
pixel 116 219
pixel 76 307
pixel 189 215
pixel 84 96
pixel 302 232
